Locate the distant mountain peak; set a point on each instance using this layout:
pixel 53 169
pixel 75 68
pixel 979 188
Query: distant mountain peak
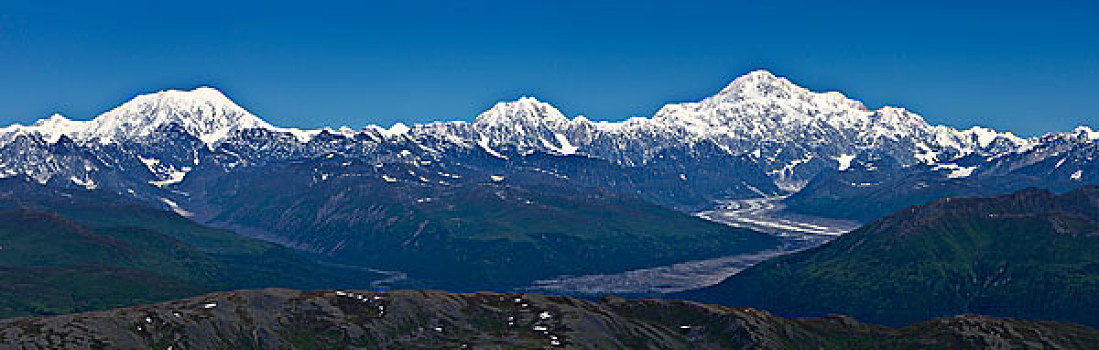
pixel 763 85
pixel 204 112
pixel 761 82
pixel 525 110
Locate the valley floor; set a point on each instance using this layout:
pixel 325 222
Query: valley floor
pixel 671 278
pixel 767 215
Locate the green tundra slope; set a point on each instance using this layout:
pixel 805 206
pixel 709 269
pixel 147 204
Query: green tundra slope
pixel 1030 254
pixel 466 236
pixel 68 251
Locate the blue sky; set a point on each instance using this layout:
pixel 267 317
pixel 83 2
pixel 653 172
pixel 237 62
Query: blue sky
pixel 1026 67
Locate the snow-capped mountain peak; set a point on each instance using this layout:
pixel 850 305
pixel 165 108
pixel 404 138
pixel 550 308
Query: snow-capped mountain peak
pixel 758 84
pixel 1086 133
pixel 765 128
pixel 525 110
pixel 203 112
pixel 526 123
pixel 764 85
pixel 56 125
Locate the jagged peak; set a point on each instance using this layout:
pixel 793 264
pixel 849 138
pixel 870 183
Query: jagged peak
pixel 1086 132
pixel 52 119
pixel 525 109
pixel 396 129
pixel 757 80
pixel 763 85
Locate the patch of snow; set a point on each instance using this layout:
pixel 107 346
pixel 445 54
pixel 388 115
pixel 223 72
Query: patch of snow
pixel 150 163
pixel 984 136
pixel 566 148
pixel 1087 132
pixel 961 172
pixel 395 130
pixel 86 183
pixel 174 177
pixel 844 161
pixel 925 154
pixel 175 208
pixel 483 142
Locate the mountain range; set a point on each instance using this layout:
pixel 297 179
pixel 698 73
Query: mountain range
pixel 521 192
pixel 761 135
pixel 178 193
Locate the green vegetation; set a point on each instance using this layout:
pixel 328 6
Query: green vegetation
pixel 1030 255
pixel 474 236
pixel 69 251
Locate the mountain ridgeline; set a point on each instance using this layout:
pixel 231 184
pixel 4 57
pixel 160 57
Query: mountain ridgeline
pixel 1029 254
pixel 288 319
pixel 761 135
pixel 466 194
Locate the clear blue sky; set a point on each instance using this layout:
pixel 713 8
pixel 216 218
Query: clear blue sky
pixel 1026 67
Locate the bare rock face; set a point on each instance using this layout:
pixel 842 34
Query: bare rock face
pixel 281 318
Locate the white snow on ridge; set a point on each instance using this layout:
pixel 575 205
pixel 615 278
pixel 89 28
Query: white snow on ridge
pixel 484 145
pixel 956 171
pixel 566 147
pixel 765 118
pixel 151 163
pixel 175 207
pixel 174 177
pixel 86 183
pixel 203 112
pixel 395 130
pixel 1087 132
pixel 844 161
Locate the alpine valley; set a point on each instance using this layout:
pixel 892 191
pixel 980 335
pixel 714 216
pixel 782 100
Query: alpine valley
pixel 196 194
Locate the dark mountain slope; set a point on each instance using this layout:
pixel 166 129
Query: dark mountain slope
pixel 876 186
pixel 468 235
pixel 51 265
pixel 65 251
pixel 279 318
pixel 1029 254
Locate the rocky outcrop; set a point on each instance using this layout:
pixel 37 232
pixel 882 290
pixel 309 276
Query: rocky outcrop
pixel 281 318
